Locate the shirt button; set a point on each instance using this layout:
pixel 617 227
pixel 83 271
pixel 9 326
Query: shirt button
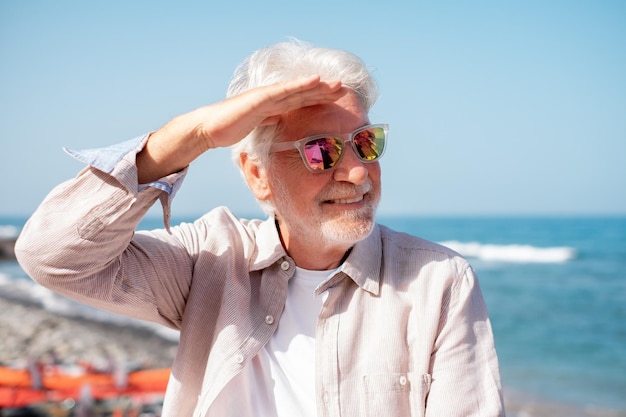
pixel 269 319
pixel 239 358
pixel 403 380
pixel 284 265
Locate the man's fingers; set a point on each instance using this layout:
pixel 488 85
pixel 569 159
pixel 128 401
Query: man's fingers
pixel 303 94
pixel 229 121
pixel 303 99
pixel 309 87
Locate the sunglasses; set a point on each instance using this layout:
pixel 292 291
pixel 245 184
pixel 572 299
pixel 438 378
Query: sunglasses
pixel 323 152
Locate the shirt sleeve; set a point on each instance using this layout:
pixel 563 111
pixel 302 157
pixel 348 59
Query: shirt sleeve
pixel 109 158
pixel 80 242
pixel 464 365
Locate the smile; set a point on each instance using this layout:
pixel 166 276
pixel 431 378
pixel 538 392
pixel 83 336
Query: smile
pixel 347 200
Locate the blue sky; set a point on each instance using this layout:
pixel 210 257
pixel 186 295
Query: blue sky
pixel 495 107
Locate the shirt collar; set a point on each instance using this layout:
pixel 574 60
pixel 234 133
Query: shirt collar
pixel 269 248
pixel 362 265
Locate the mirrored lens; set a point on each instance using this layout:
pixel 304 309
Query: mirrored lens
pixel 370 143
pixel 323 153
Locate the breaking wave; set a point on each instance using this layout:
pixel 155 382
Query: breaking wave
pixel 512 253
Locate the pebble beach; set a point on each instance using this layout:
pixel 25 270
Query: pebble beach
pixel 29 332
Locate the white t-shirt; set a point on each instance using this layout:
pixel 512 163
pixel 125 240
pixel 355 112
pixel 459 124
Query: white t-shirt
pixel 280 380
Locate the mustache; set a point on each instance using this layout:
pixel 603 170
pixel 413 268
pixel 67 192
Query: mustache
pixel 343 190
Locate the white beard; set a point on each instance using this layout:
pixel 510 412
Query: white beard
pixel 316 227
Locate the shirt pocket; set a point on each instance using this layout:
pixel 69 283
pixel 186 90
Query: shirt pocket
pixel 396 394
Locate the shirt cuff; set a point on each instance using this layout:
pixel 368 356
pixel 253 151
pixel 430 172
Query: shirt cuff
pixel 119 160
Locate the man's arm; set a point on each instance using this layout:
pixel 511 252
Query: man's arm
pixel 79 240
pixel 223 124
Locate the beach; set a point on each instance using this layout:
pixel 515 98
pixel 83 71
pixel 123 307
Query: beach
pixel 79 348
pixel 29 332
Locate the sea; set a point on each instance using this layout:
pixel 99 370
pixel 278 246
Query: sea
pixel 555 288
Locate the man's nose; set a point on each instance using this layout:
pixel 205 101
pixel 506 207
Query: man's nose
pixel 351 168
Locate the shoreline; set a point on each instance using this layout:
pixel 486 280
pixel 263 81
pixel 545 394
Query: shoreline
pixel 28 332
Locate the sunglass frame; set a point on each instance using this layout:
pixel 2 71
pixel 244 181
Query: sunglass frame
pixel 345 138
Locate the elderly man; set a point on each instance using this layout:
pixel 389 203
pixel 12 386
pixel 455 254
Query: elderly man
pixel 316 311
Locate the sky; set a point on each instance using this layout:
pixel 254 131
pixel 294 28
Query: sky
pixel 495 108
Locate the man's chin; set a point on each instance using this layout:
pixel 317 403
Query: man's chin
pixel 348 229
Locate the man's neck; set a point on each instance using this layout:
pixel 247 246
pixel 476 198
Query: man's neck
pixel 311 254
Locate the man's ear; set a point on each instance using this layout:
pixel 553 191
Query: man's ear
pixel 256 177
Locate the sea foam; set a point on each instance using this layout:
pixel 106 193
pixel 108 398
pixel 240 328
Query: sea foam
pixel 512 253
pixel 8 232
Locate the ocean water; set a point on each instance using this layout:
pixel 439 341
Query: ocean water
pixel 555 289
